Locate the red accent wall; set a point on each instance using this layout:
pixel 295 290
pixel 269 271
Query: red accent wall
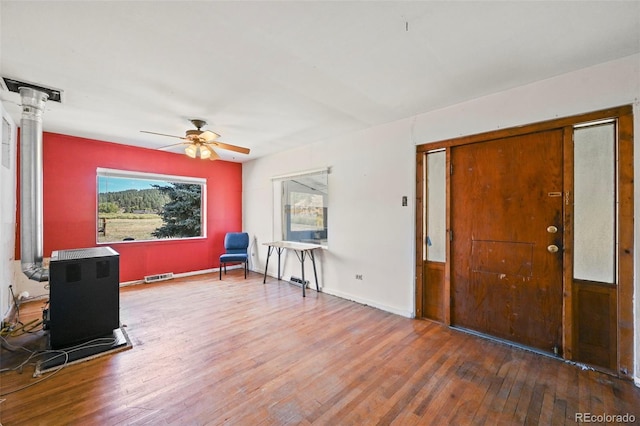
pixel 69 187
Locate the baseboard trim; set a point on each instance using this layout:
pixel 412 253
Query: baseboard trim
pixel 182 275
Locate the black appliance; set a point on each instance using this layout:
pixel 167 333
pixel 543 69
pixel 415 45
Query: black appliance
pixel 84 295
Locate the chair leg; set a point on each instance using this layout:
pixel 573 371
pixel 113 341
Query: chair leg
pixel 220 269
pixel 245 270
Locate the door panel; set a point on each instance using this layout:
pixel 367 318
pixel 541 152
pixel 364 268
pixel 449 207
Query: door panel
pixel 505 194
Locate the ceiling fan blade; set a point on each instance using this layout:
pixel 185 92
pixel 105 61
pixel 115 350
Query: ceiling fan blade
pixel 162 134
pixel 209 136
pixel 228 147
pixel 173 144
pixel 214 155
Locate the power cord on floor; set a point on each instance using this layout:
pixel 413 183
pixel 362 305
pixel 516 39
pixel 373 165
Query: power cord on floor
pixel 16 327
pixel 60 353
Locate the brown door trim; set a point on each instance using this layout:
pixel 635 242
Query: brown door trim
pixel 420 231
pixel 625 245
pixel 529 128
pixel 567 259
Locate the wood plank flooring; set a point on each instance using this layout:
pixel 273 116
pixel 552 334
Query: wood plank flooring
pixel 239 352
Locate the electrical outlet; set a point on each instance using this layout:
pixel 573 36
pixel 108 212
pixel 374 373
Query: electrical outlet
pixel 358 276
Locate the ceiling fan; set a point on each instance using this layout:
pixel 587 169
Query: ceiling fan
pixel 201 142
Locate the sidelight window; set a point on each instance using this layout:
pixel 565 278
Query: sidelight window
pixel 436 239
pixel 595 202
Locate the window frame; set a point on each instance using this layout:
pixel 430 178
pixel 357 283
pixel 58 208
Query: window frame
pixel 282 210
pixel 161 178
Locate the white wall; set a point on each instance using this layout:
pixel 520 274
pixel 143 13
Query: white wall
pixel 7 210
pixel 370 233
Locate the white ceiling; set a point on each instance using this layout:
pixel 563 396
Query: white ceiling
pixel 274 75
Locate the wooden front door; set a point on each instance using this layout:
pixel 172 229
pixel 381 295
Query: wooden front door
pixel 506 221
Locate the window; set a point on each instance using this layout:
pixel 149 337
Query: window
pixel 134 206
pixel 435 215
pixel 302 207
pixel 595 203
pixel 7 137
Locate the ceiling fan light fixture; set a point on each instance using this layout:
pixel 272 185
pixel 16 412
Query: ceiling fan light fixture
pixel 205 152
pixel 191 151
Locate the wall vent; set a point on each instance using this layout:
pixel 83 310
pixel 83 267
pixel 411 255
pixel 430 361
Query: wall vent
pixel 13 85
pixel 158 277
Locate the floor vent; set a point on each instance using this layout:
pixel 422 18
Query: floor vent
pixel 298 281
pixel 159 277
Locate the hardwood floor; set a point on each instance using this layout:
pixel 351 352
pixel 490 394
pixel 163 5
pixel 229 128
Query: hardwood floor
pixel 239 352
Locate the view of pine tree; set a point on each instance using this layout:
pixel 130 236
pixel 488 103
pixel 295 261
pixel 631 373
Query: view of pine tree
pixel 181 215
pixel 133 200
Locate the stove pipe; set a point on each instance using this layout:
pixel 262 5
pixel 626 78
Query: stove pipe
pixel 31 216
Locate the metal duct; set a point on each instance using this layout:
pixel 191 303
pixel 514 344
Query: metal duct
pixel 31 216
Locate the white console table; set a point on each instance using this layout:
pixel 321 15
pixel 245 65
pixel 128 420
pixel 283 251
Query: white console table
pixel 302 250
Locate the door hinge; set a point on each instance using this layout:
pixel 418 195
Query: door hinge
pixel 451 169
pixel 450 235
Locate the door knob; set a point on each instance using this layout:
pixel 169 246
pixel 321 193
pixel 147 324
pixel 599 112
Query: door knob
pixel 553 248
pixel 552 229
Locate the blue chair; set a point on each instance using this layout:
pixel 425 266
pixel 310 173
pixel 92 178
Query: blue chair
pixel 235 246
